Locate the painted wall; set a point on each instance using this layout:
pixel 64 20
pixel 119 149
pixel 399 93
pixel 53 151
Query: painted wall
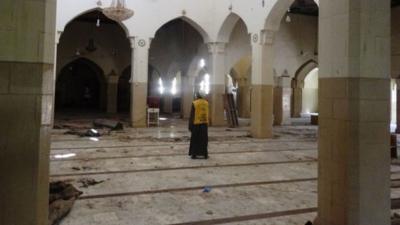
pixel 393 104
pixel 174 47
pixel 207 14
pixel 239 46
pixel 310 93
pixel 113 47
pixel 295 44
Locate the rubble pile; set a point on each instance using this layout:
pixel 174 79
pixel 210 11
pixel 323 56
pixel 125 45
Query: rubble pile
pixel 61 200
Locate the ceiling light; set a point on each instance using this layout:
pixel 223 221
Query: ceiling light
pixel 118 11
pixel 288 19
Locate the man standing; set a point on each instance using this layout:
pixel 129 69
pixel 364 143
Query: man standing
pixel 198 125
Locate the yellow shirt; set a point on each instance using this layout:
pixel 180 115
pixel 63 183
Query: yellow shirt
pixel 200 112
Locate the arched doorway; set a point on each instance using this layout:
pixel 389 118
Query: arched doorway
pixel 241 74
pixel 80 86
pixel 234 32
pixel 310 93
pixel 101 42
pixel 173 50
pixel 305 90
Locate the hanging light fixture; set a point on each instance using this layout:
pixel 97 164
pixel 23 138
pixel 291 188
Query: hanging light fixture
pixel 288 19
pixel 118 11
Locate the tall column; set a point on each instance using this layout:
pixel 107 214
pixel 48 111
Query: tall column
pixel 218 72
pixel 243 97
pixel 354 115
pixel 139 79
pixel 297 98
pixel 57 41
pixel 168 101
pixel 26 105
pixel 282 95
pixel 112 92
pixel 187 95
pixel 398 106
pixel 262 84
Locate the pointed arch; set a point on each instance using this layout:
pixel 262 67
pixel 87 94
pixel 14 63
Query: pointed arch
pixel 298 85
pixel 71 89
pixel 303 70
pixel 227 27
pixel 122 25
pixel 191 22
pixel 277 12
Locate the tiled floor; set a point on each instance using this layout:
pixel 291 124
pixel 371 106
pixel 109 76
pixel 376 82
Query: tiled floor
pixel 148 179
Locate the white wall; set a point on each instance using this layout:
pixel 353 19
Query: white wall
pixel 393 113
pixel 174 48
pixel 151 15
pixel 295 44
pixel 113 47
pixel 239 46
pixel 310 93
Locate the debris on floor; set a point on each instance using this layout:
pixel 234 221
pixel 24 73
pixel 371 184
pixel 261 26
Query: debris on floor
pixel 76 168
pixel 71 125
pixel 84 168
pixel 61 200
pixel 207 189
pixel 209 212
pixel 111 124
pixel 87 182
pixel 88 133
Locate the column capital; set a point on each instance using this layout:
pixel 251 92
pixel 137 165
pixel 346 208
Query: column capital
pixel 284 82
pixel 264 37
pixel 242 81
pixel 112 78
pixel 140 42
pixel 216 47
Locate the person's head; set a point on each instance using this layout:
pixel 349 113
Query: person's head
pixel 198 95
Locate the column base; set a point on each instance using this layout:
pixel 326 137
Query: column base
pixel 26 101
pixel 217 110
pixel 261 111
pixel 354 156
pixel 139 105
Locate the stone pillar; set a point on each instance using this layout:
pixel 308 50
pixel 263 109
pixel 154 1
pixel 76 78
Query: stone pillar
pixel 217 69
pixel 112 93
pixel 297 98
pixel 168 101
pixel 282 95
pixel 354 115
pixel 262 84
pixel 187 95
pixel 243 98
pixel 26 106
pixel 398 106
pixel 57 41
pixel 139 79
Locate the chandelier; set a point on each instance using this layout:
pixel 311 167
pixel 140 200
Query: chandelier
pixel 118 11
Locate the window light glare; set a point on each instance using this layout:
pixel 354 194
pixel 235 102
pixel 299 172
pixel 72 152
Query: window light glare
pixel 174 90
pixel 160 86
pixel 202 63
pixel 64 156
